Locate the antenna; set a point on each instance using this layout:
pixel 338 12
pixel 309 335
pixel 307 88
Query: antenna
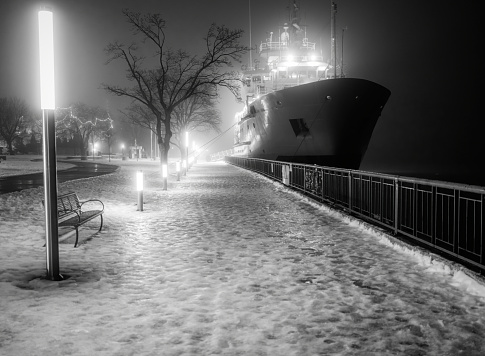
pixel 334 42
pixel 342 57
pixel 250 45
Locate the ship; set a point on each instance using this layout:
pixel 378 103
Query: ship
pixel 298 108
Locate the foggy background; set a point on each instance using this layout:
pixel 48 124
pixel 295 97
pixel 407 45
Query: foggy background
pixel 426 53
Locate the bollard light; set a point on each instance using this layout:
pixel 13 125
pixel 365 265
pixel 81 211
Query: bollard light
pixel 164 171
pixel 177 168
pixel 139 188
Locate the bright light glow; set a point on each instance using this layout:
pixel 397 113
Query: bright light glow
pixel 187 139
pixel 184 163
pixel 191 159
pixel 164 171
pixel 122 146
pixel 313 57
pixel 290 58
pixel 177 166
pixel 139 181
pixel 46 48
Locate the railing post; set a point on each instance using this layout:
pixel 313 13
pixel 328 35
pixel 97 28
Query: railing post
pixel 396 205
pixel 350 190
pixel 456 222
pixel 290 175
pixel 304 179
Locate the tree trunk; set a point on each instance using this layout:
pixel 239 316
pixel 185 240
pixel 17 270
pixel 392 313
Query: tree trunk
pixel 83 150
pixel 9 145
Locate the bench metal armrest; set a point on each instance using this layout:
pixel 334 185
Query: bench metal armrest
pixel 92 200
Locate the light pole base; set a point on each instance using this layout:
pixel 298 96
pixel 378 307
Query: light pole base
pixel 140 201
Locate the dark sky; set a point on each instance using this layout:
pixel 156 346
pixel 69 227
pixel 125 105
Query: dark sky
pixel 425 52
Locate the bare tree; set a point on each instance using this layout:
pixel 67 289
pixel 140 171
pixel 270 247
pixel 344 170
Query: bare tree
pixel 14 120
pixel 110 137
pixel 81 122
pixel 196 114
pixel 177 75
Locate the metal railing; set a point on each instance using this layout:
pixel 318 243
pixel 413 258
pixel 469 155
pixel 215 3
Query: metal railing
pixel 283 45
pixel 448 217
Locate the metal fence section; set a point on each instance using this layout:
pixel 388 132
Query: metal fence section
pixel 448 217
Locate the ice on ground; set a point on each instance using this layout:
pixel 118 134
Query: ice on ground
pixel 223 262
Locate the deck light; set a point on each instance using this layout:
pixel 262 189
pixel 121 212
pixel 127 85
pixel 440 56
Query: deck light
pixel 139 188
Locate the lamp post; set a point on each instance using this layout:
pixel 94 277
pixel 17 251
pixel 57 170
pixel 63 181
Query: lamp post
pixel 187 150
pixel 177 168
pixel 94 147
pixel 122 152
pixel 47 103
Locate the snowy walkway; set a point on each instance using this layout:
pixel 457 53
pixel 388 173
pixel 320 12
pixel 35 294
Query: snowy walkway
pixel 223 263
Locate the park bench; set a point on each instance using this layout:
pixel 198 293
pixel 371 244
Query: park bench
pixel 71 212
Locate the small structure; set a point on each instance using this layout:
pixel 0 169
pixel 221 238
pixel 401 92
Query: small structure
pixel 136 152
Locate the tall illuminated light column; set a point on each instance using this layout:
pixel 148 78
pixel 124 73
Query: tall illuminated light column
pixel 47 103
pixel 187 150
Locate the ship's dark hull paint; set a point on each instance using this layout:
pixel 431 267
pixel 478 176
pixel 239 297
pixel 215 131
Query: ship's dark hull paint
pixel 339 116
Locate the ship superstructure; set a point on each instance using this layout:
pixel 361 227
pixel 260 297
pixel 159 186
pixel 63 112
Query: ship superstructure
pixel 298 110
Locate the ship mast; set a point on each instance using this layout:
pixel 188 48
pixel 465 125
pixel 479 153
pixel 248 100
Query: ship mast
pixel 250 49
pixel 342 56
pixel 333 52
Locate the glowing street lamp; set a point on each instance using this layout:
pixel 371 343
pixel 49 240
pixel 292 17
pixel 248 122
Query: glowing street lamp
pixel 139 188
pixel 187 150
pixel 47 103
pixel 177 168
pixel 122 152
pixel 94 148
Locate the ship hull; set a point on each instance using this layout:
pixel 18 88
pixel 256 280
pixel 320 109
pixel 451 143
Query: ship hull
pixel 328 122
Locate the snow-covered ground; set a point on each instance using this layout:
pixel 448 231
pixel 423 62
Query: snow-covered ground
pixel 224 262
pixel 24 164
